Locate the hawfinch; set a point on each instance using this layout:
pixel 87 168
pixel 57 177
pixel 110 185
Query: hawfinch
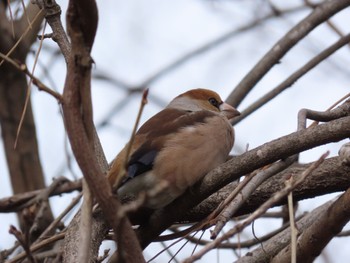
pixel 176 148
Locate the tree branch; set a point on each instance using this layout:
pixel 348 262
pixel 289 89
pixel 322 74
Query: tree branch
pixel 77 110
pixel 320 14
pixel 313 239
pixel 293 78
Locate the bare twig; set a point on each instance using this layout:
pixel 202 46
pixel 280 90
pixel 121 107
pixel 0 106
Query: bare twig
pixel 164 249
pixel 262 209
pixel 344 234
pixel 292 78
pixel 25 14
pixel 58 219
pixel 4 254
pixel 29 88
pixel 320 14
pixel 241 244
pixel 29 14
pixel 36 81
pixel 53 17
pixel 213 44
pixel 329 22
pixel 131 141
pixel 323 116
pixel 16 202
pixel 38 246
pixel 44 194
pixel 239 200
pixel 275 244
pixel 12 19
pixel 21 38
pixel 313 239
pixel 24 243
pixel 293 229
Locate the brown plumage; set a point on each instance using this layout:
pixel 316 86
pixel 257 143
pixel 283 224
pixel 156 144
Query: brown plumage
pixel 177 146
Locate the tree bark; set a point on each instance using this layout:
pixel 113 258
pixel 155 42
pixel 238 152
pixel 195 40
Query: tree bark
pixel 23 162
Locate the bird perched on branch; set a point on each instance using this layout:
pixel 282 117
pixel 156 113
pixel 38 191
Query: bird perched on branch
pixel 175 148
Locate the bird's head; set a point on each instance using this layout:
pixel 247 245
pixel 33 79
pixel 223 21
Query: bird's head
pixel 203 99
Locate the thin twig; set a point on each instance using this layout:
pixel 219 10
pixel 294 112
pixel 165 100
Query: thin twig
pixel 293 229
pixel 25 14
pixel 241 244
pixel 345 233
pixel 320 14
pixel 36 81
pixel 53 17
pixel 12 20
pixel 20 39
pixel 213 44
pixel 329 22
pixel 332 106
pixel 293 78
pixel 166 248
pixel 38 246
pixel 142 105
pixel 43 241
pixel 20 238
pixel 58 219
pixel 262 209
pixel 15 203
pixel 4 254
pixel 239 200
pixel 29 88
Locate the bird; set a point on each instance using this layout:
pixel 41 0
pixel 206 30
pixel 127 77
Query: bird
pixel 175 148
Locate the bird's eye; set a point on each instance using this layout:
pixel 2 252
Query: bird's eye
pixel 214 102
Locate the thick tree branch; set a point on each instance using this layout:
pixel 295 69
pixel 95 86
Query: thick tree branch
pixel 77 109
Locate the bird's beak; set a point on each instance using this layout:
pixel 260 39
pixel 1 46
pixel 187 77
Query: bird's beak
pixel 229 111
